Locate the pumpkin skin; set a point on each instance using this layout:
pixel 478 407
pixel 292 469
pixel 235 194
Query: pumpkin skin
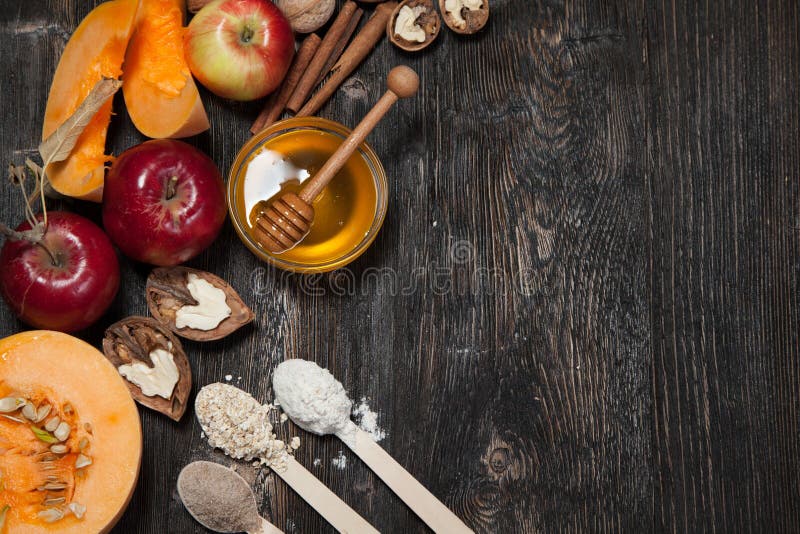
pixel 96 49
pixel 160 94
pixel 52 367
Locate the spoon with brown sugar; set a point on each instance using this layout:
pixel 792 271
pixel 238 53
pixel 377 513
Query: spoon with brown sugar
pixel 221 500
pixel 288 219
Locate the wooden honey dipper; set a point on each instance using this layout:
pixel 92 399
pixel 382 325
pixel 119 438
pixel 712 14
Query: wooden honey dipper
pixel 287 220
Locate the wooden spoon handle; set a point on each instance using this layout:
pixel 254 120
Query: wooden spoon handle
pixel 332 508
pixel 403 82
pixel 267 528
pixel 435 514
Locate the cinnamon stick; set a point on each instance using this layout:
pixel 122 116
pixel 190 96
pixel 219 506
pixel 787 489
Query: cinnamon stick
pixel 340 46
pixel 196 5
pixel 276 103
pixel 359 49
pixel 307 82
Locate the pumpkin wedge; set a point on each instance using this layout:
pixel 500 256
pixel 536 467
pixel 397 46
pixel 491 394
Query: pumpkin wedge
pixel 70 436
pixel 96 49
pixel 160 94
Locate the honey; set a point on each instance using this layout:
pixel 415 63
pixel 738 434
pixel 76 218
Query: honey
pixel 345 211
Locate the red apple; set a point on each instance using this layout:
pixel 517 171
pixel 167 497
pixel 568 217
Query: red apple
pixel 239 49
pixel 163 202
pixel 68 281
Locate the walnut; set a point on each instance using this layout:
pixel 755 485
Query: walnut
pixel 465 16
pixel 414 25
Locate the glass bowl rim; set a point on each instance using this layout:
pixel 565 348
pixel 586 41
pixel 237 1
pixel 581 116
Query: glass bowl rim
pixel 313 123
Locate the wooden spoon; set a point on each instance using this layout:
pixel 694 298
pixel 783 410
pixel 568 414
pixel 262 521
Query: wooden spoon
pixel 287 220
pixel 421 501
pixel 323 500
pixel 234 510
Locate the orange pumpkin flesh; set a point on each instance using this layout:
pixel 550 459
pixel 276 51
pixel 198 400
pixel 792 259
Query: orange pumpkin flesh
pixel 82 387
pixel 96 49
pixel 160 94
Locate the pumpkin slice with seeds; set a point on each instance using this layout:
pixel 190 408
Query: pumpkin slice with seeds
pixel 70 437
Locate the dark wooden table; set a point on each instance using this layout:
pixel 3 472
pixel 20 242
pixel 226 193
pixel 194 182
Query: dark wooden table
pixel 582 312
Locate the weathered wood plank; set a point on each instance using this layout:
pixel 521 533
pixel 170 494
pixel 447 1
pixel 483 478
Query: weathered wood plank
pixel 723 139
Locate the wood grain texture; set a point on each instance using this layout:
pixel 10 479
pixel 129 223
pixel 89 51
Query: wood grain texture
pixel 723 140
pixel 581 314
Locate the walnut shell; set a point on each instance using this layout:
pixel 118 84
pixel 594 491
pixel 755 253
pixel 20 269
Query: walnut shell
pixel 306 16
pixel 475 19
pixel 429 21
pixel 166 292
pixel 132 340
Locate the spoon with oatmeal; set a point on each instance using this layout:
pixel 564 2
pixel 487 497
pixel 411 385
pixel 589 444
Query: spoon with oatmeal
pixel 236 423
pixel 318 403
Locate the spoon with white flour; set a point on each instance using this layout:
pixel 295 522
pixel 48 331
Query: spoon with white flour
pixel 221 500
pixel 318 403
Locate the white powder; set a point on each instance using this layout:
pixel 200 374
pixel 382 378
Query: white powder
pixel 368 420
pixel 235 422
pixel 314 399
pixel 340 462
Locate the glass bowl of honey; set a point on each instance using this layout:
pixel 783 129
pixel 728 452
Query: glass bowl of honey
pixel 349 212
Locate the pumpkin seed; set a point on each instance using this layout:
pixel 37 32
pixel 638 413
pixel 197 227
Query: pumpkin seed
pixel 68 410
pixel 77 509
pixel 11 404
pixel 54 501
pixel 82 461
pixel 49 467
pixel 51 515
pixel 62 431
pixel 29 411
pixel 87 427
pixel 54 486
pixel 43 435
pixel 59 449
pixel 42 412
pixel 83 443
pixel 52 423
pixel 12 418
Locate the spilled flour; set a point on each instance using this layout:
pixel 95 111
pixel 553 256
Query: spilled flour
pixel 340 462
pixel 367 420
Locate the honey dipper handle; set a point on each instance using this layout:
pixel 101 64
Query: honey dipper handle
pixel 403 82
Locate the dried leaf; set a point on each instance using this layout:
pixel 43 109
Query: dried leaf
pixel 34 167
pixel 3 513
pixel 16 174
pixel 34 235
pixel 61 142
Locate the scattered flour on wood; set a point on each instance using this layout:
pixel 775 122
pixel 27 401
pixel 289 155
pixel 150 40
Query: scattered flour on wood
pixel 340 462
pixel 368 420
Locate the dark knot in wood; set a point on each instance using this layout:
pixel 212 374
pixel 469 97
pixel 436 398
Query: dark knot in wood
pixel 499 460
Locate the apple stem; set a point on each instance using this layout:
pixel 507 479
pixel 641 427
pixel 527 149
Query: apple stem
pixel 171 185
pixel 53 258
